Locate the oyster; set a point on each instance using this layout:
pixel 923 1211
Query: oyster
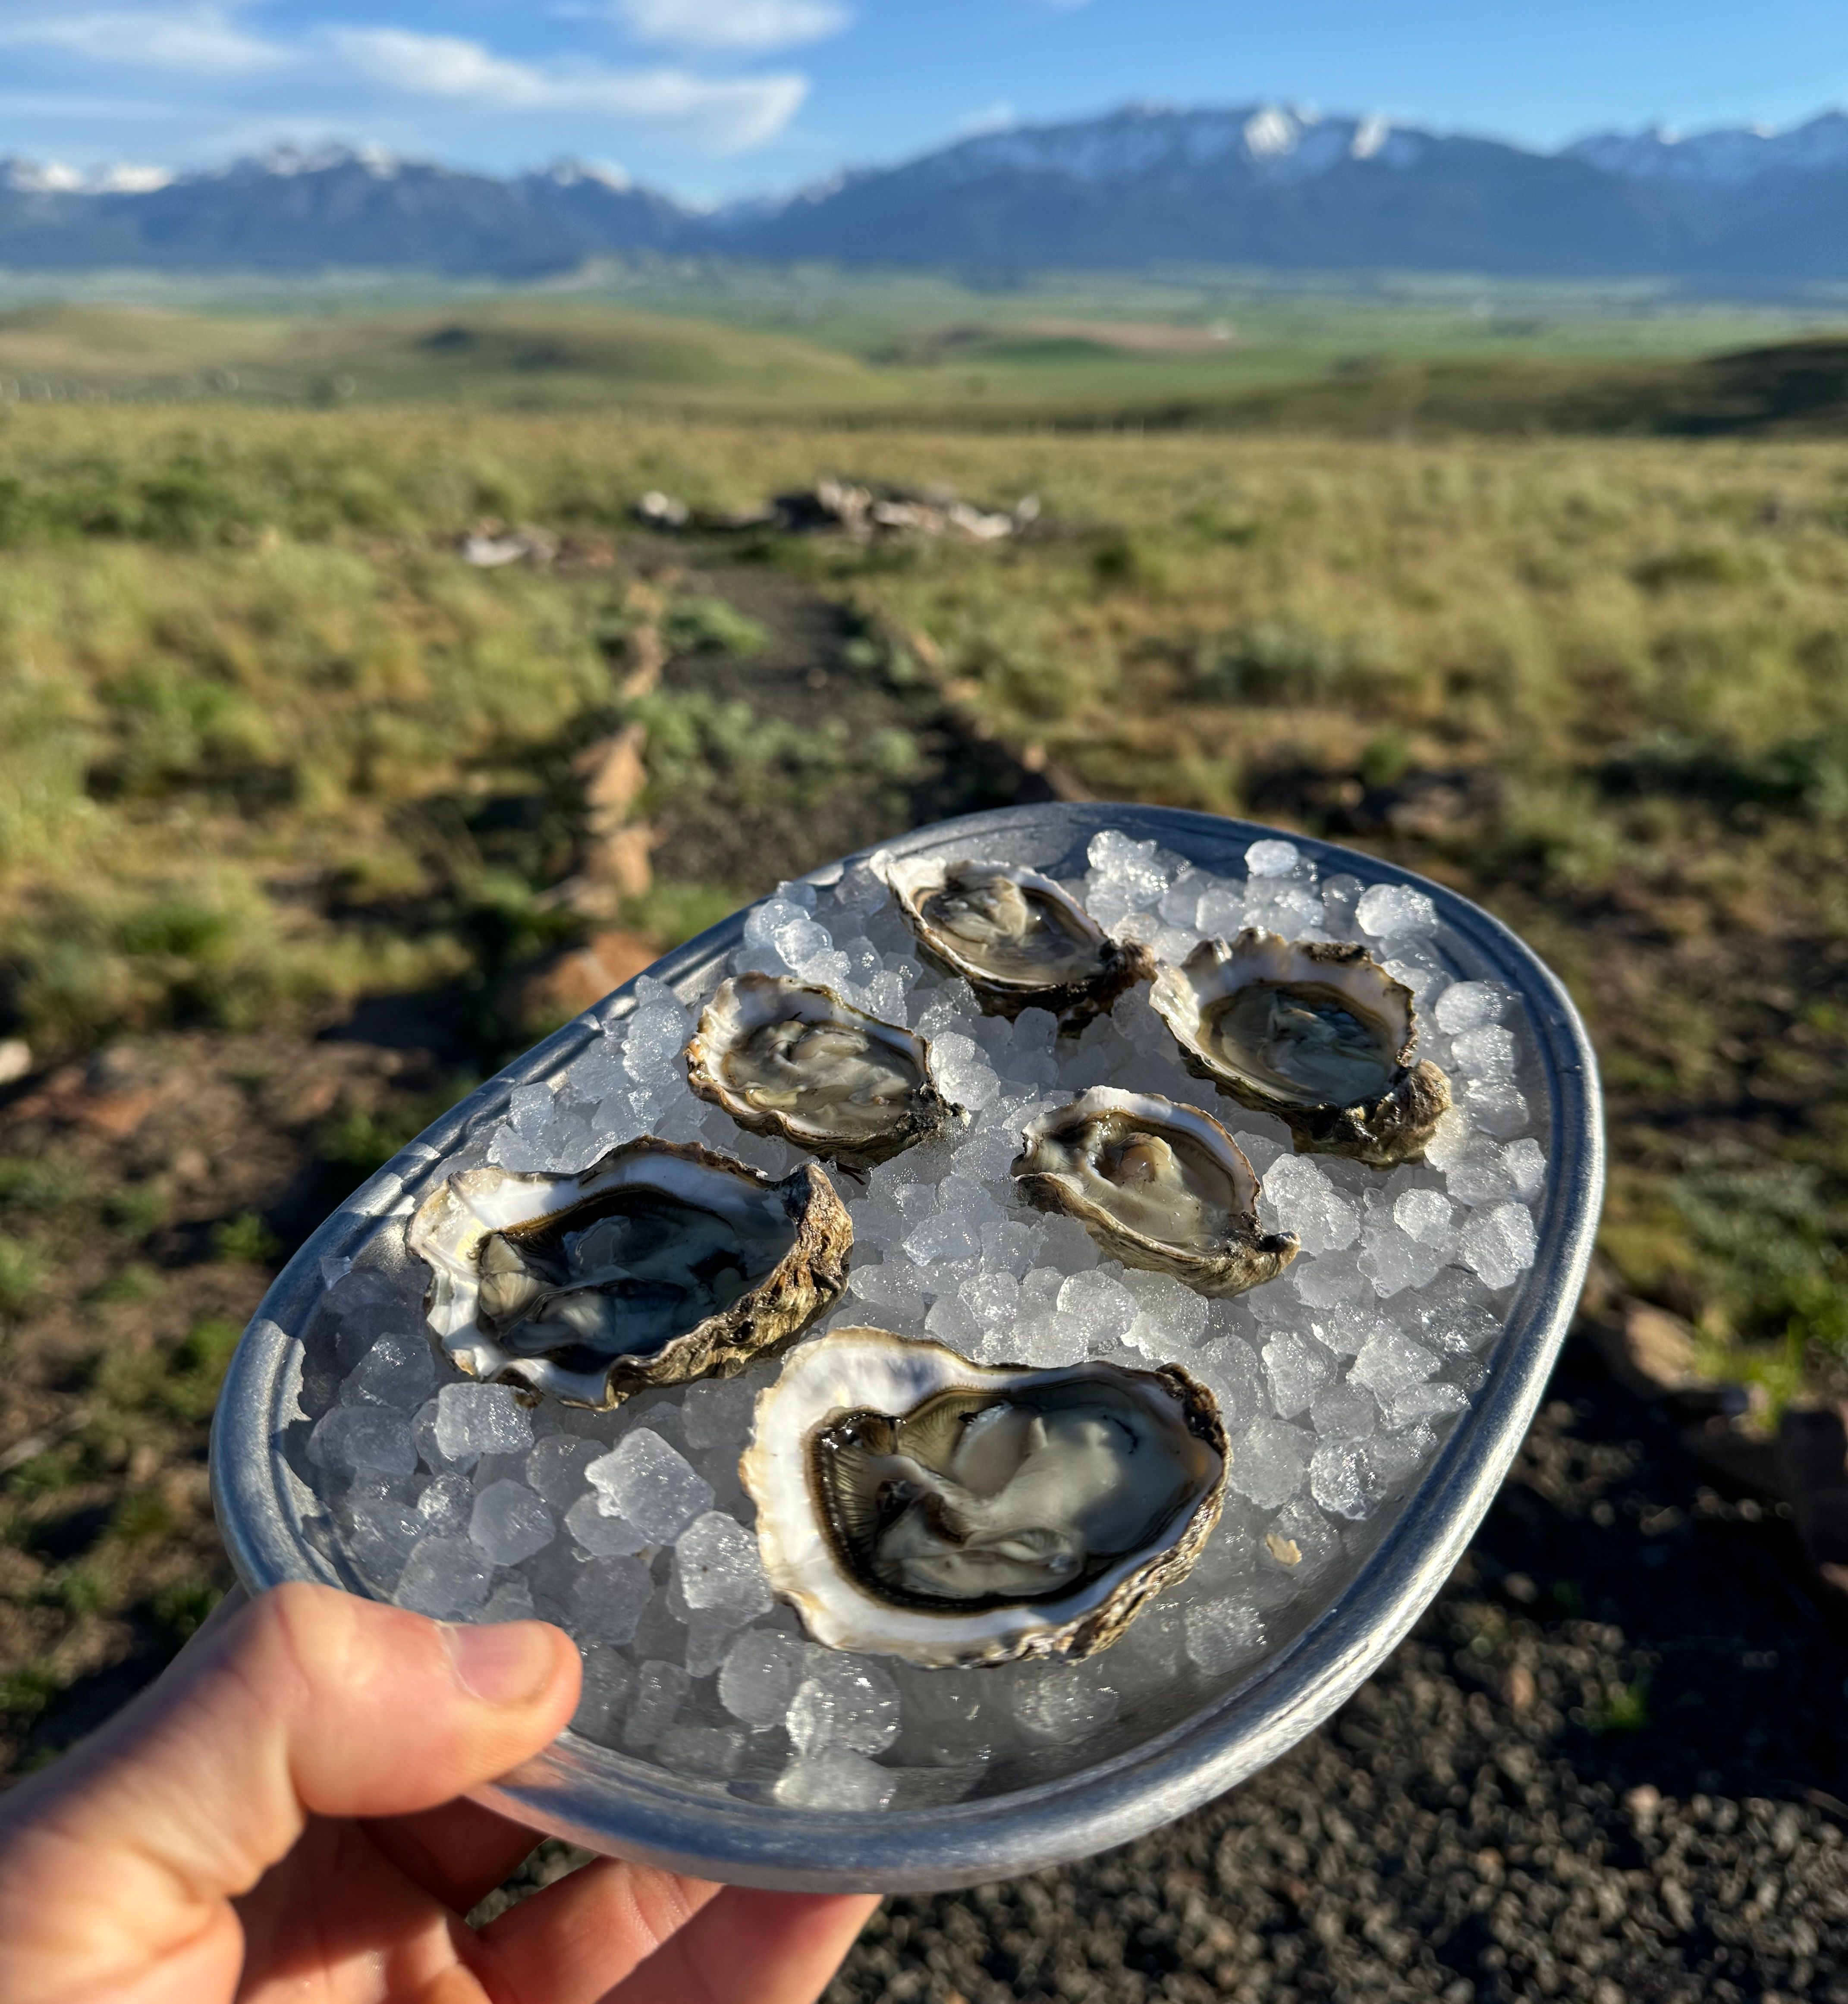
pixel 1157 1185
pixel 1317 1033
pixel 1018 939
pixel 911 1504
pixel 783 1059
pixel 664 1262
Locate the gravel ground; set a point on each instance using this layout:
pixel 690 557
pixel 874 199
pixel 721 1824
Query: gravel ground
pixel 1611 1763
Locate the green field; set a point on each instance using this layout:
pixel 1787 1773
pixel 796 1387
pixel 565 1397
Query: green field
pixel 288 791
pixel 844 350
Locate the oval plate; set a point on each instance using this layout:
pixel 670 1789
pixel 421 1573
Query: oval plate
pixel 607 1802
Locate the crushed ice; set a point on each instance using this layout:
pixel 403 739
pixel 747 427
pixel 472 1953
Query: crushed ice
pixel 1336 1382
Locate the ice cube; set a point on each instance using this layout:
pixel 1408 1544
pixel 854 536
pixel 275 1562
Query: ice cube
pixel 1170 1317
pixel 1330 1282
pixel 443 1577
pixel 948 1237
pixel 1096 1310
pixel 1498 1244
pixel 1477 1173
pixel 1283 907
pixel 645 1480
pixel 835 1779
pixel 716 1413
pixel 1298 1367
pixel 1395 911
pixel 1525 1162
pixel 964 1075
pixel 446 1503
pixel 843 1700
pixel 1392 1262
pixel 1268 1462
pixel 1494 1105
pixel 1222 1633
pixel 608 1685
pixel 660 1692
pixel 599 1534
pixel 718 1568
pixel 1220 912
pixel 509 1523
pixel 1298 1197
pixel 1468 1005
pixel 1418 1403
pixel 1487 1053
pixel 713 1751
pixel 1343 1411
pixel 554 1470
pixel 351 1440
pixel 1391 1362
pixel 473 1420
pixel 1340 895
pixel 759 1676
pixel 1340 1478
pixel 1064 1705
pixel 383 1531
pixel 396 1372
pixel 1272 858
pixel 1424 1215
pixel 608 1598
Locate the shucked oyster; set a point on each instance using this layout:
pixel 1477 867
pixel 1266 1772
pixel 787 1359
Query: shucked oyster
pixel 1157 1185
pixel 664 1262
pixel 1017 939
pixel 911 1504
pixel 1318 1034
pixel 782 1058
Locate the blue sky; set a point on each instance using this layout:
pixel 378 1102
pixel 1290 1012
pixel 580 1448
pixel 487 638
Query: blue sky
pixel 715 98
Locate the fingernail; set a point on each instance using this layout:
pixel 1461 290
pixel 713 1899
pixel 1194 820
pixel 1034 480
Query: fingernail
pixel 507 1662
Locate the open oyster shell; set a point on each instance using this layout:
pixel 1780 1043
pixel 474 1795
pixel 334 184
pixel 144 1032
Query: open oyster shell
pixel 787 1059
pixel 911 1504
pixel 1157 1186
pixel 1314 1031
pixel 662 1262
pixel 1018 939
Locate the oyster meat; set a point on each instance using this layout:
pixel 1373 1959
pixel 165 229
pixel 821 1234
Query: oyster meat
pixel 911 1504
pixel 786 1059
pixel 1315 1032
pixel 1018 939
pixel 662 1262
pixel 1157 1185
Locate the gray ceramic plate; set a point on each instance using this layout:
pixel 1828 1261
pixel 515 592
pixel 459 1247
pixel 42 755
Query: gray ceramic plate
pixel 268 1515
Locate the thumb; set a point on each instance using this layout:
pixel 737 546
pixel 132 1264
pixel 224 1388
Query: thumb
pixel 124 1857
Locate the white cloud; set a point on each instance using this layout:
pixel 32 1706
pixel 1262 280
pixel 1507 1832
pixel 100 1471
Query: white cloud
pixel 728 113
pixel 734 24
pixel 197 39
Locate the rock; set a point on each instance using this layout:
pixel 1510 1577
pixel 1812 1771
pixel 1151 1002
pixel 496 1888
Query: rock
pixel 613 775
pixel 565 984
pixel 662 511
pixel 16 1059
pixel 490 546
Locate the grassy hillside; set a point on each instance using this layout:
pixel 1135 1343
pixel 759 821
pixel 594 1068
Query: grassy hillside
pixel 943 359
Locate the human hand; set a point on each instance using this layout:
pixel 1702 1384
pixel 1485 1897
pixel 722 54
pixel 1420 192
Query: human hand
pixel 277 1817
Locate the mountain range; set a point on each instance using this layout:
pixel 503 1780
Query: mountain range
pixel 1146 187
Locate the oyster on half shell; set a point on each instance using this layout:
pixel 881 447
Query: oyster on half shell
pixel 1313 1032
pixel 662 1262
pixel 911 1504
pixel 787 1059
pixel 1157 1185
pixel 1016 937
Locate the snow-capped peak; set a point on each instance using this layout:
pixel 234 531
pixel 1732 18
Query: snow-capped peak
pixel 1727 156
pixel 602 174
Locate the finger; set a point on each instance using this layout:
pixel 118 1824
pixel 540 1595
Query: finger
pixel 575 1941
pixel 457 1854
pixel 747 1947
pixel 307 1701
